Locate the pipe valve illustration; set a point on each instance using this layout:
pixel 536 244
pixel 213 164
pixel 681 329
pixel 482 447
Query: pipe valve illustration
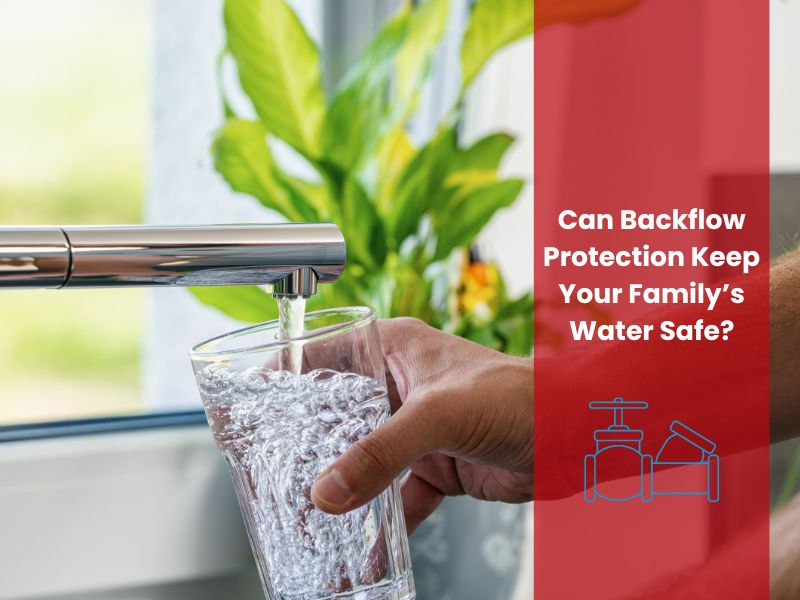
pixel 618 448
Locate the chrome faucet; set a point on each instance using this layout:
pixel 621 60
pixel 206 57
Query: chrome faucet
pixel 291 258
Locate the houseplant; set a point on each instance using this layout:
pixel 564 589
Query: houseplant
pixel 409 214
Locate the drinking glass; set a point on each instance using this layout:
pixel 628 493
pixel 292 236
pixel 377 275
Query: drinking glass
pixel 281 410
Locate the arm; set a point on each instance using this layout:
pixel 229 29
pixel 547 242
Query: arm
pixel 466 405
pixel 784 307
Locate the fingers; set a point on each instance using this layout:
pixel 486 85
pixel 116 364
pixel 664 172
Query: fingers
pixel 367 468
pixel 395 402
pixel 420 499
pixel 405 342
pixel 396 333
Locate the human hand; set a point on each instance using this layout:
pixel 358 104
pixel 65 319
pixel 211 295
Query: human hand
pixel 462 422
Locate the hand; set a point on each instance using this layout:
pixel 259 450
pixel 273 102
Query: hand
pixel 462 422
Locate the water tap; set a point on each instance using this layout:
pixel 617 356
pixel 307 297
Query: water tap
pixel 289 258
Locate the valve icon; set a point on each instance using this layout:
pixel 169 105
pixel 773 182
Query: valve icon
pixel 618 448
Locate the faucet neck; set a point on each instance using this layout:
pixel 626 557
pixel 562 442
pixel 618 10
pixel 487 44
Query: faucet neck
pixel 291 257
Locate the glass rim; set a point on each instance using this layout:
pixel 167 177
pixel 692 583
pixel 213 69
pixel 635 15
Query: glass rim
pixel 362 315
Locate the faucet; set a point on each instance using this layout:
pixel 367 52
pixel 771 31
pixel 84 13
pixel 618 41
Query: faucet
pixel 291 258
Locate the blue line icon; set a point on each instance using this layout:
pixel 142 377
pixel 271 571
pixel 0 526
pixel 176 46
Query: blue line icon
pixel 620 447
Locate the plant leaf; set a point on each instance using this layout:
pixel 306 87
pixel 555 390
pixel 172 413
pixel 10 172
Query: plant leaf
pixel 252 304
pixel 243 158
pixel 279 70
pixel 359 109
pixel 474 211
pixel 472 168
pixel 469 180
pixel 361 112
pixel 379 291
pixel 412 293
pixel 439 177
pixel 248 303
pixel 394 153
pixel 484 154
pixel 514 323
pixel 419 185
pixel 316 201
pixel 483 335
pixel 426 26
pixel 362 228
pixel 493 24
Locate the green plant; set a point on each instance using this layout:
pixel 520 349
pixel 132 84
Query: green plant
pixel 408 214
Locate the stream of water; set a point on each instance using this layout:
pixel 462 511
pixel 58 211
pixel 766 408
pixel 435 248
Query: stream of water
pixel 291 319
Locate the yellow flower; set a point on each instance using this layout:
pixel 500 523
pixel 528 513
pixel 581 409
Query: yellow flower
pixel 478 294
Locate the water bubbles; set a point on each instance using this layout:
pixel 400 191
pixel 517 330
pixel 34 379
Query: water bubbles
pixel 254 380
pixel 279 430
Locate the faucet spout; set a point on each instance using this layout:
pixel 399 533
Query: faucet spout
pixel 302 282
pixel 292 258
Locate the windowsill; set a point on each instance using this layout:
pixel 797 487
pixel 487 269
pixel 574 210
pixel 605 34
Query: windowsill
pixel 105 425
pixel 85 514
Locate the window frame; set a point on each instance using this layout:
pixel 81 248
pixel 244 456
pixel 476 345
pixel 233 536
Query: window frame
pixel 99 425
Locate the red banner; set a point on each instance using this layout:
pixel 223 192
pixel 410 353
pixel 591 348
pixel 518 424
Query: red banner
pixel 651 285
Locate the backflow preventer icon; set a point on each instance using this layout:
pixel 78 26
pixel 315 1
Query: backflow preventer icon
pixel 619 449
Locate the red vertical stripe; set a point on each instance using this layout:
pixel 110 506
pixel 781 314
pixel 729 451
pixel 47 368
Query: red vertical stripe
pixel 658 107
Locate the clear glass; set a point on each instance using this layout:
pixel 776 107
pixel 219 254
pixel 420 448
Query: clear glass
pixel 278 429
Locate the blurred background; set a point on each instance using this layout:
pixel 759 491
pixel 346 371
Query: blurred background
pixel 74 121
pixel 112 487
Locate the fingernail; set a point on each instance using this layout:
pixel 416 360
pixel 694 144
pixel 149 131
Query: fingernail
pixel 331 489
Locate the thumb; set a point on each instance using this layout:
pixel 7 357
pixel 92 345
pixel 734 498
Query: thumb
pixel 368 468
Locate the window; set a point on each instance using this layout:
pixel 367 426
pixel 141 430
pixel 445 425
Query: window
pixel 107 111
pixel 74 128
pixel 106 114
